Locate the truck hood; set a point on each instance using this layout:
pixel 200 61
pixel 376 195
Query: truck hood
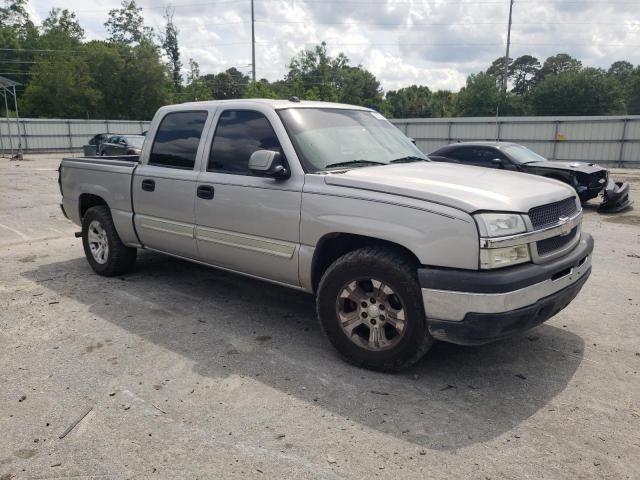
pixel 459 186
pixel 582 167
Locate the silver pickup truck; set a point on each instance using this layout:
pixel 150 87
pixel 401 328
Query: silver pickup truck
pixel 334 200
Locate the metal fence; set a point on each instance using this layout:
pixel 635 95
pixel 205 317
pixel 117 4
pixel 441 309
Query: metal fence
pixel 610 141
pixel 56 135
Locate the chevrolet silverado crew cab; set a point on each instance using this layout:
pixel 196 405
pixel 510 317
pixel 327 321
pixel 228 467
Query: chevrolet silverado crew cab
pixel 334 200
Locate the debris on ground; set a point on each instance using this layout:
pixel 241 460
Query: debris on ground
pixel 76 422
pixel 377 392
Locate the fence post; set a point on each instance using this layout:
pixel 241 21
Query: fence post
pixel 106 124
pixel 69 132
pixel 1 140
pixel 556 131
pixel 141 126
pixel 623 139
pixel 450 126
pixel 24 133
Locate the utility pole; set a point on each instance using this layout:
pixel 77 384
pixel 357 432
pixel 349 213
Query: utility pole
pixel 506 58
pixel 253 44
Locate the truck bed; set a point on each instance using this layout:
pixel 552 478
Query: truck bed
pixel 82 178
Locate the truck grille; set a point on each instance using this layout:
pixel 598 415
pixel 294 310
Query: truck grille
pixel 553 244
pixel 549 215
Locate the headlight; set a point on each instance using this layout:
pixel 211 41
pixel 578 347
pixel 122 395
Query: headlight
pixel 500 224
pixel 503 257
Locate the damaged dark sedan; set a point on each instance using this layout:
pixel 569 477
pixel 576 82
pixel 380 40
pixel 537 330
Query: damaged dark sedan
pixel 588 179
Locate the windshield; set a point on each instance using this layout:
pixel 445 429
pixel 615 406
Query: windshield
pixel 332 138
pixel 520 154
pixel 135 142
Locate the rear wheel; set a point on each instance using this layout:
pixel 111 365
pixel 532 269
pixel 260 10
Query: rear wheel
pixel 370 306
pixel 103 248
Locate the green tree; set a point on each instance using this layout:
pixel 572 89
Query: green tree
pixel 558 64
pixel 61 88
pixel 146 85
pixel 497 70
pixel 259 89
pixel 620 69
pixel 443 103
pixel 228 84
pixel 410 102
pixel 479 97
pixel 62 23
pixel 585 92
pixel 523 71
pixel 197 88
pixel 172 50
pixel 106 65
pixel 14 14
pixel 633 92
pixel 358 86
pixel 315 75
pixel 126 24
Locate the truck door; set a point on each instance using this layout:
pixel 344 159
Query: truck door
pixel 164 187
pixel 245 222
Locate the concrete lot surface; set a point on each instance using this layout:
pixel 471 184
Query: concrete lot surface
pixel 194 373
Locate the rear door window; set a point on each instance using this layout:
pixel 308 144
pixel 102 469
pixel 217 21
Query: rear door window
pixel 176 142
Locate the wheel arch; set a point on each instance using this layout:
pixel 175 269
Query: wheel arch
pixel 334 245
pixel 88 200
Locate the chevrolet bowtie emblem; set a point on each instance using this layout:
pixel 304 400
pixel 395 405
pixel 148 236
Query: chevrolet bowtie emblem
pixel 566 227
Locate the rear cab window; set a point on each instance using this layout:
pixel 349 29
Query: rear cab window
pixel 177 139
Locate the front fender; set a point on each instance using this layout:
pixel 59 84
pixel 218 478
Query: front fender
pixel 436 235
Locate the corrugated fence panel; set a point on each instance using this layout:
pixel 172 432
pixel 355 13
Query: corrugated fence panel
pixel 468 131
pixel 611 141
pixel 427 131
pixel 518 132
pixel 44 135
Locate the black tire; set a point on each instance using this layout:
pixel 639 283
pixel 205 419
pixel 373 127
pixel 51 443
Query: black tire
pixel 120 259
pixel 399 272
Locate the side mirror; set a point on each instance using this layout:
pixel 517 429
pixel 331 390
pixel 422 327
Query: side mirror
pixel 269 164
pixel 497 162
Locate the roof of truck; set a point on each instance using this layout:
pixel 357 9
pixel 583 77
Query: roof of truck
pixel 280 104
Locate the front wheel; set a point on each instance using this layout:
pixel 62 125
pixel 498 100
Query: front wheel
pixel 370 306
pixel 103 248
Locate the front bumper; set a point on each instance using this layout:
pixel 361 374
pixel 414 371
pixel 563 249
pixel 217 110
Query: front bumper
pixel 474 307
pixel 615 197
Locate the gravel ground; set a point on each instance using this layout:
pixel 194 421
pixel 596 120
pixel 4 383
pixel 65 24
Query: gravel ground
pixel 189 372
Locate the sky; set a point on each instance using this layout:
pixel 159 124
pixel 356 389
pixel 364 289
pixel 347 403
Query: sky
pixel 437 43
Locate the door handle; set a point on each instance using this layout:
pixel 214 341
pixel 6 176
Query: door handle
pixel 148 185
pixel 205 191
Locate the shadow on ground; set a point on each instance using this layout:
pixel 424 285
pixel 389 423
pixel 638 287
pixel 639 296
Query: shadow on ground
pixel 231 325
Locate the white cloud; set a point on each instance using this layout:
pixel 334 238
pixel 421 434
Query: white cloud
pixel 431 42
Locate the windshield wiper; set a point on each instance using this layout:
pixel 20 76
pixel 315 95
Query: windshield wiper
pixel 409 159
pixel 353 163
